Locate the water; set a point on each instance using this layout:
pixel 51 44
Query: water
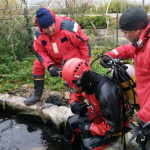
pixel 21 133
pixel 26 133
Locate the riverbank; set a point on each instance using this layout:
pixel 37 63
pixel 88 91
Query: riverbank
pixel 46 111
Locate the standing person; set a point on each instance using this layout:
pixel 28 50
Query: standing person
pixel 100 122
pixel 58 38
pixel 135 26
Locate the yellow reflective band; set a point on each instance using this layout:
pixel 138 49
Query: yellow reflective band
pixel 38 79
pixel 117 134
pixel 74 89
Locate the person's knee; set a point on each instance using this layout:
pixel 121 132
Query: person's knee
pixel 73 122
pixel 86 144
pixel 38 68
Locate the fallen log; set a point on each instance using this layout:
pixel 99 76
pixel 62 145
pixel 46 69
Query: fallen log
pixel 49 113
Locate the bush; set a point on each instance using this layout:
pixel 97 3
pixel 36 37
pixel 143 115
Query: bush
pixel 16 44
pixel 120 6
pixel 98 21
pixel 16 35
pixel 12 77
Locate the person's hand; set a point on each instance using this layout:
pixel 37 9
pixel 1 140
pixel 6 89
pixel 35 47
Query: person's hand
pixel 104 61
pixel 80 108
pixel 54 71
pixel 85 127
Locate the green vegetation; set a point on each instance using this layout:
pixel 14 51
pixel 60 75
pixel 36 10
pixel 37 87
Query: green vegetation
pixel 115 6
pixel 16 42
pixel 98 21
pixel 12 78
pixel 17 77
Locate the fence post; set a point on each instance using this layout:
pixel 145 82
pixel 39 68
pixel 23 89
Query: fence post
pixel 143 4
pixel 66 2
pixel 117 26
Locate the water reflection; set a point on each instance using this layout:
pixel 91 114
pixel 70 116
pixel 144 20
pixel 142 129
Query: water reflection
pixel 21 133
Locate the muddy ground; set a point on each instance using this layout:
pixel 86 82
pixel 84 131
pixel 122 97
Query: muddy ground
pixel 61 98
pixel 27 90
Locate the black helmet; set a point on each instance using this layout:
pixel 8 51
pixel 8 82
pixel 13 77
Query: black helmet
pixel 133 18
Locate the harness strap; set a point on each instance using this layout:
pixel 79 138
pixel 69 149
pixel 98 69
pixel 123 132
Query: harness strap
pixel 134 128
pixel 141 135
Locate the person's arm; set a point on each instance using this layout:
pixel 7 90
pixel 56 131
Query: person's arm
pixel 42 54
pixel 142 113
pixel 77 103
pixel 75 97
pixel 80 40
pixel 125 52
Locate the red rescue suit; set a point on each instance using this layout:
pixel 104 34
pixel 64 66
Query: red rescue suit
pixel 140 51
pixel 68 41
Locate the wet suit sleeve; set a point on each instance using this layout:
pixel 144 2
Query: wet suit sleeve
pixel 75 97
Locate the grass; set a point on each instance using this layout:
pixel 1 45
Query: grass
pixel 18 77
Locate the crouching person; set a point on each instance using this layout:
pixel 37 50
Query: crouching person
pixel 99 120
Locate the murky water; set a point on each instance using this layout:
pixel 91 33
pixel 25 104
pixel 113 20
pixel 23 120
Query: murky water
pixel 26 133
pixel 21 133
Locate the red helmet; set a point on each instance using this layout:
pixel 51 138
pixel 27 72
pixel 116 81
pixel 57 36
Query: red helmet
pixel 73 71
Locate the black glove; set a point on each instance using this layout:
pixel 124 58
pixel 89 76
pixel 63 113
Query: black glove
pixel 104 61
pixel 53 70
pixel 85 128
pixel 80 108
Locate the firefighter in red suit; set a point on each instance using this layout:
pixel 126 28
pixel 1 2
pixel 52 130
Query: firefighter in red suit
pixel 100 120
pixel 136 28
pixel 57 38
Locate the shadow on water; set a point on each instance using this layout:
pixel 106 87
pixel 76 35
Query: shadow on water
pixel 24 133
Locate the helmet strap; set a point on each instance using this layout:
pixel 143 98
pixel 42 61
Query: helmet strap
pixel 78 83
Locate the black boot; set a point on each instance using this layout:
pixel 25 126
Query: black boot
pixel 38 91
